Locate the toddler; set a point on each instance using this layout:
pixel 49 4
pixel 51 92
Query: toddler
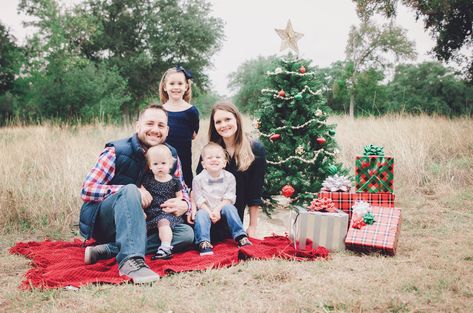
pixel 214 195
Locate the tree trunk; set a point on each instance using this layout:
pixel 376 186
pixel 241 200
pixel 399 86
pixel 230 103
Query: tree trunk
pixel 352 105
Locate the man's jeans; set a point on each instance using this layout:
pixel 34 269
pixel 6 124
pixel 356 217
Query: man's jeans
pixel 121 225
pixel 203 223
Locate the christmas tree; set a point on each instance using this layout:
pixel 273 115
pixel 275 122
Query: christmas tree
pixel 292 122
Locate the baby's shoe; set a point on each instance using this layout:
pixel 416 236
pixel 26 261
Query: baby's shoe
pixel 163 253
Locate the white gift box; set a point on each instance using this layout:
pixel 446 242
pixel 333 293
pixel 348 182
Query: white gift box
pixel 324 229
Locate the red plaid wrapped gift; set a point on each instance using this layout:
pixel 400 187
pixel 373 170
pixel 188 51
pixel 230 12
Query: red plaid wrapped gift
pixel 345 200
pixel 374 173
pixel 381 236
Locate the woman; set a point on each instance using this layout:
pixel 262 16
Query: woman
pixel 246 162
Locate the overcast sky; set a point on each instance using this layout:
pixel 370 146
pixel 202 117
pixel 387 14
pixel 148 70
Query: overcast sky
pixel 250 24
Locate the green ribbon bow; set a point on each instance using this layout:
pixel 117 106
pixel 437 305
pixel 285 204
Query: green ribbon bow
pixel 373 150
pixel 368 218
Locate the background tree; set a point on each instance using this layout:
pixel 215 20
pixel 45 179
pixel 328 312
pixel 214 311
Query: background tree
pixel 57 82
pixel 335 80
pixel 299 142
pixel 68 91
pixel 248 80
pixel 370 46
pixel 370 93
pixel 11 58
pixel 449 22
pixel 10 62
pixel 431 88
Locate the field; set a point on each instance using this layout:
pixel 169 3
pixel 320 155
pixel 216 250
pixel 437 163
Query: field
pixel 42 167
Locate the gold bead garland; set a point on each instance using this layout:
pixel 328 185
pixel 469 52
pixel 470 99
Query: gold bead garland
pixel 277 96
pixel 307 161
pixel 293 127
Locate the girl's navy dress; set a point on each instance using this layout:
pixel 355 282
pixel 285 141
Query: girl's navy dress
pixel 182 126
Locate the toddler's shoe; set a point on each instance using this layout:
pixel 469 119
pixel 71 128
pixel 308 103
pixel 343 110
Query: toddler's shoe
pixel 205 248
pixel 244 241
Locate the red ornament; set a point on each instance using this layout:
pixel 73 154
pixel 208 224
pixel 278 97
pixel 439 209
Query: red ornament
pixel 282 93
pixel 275 137
pixel 287 191
pixel 321 140
pixel 302 70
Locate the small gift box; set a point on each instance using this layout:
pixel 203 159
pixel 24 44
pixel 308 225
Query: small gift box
pixel 326 229
pixel 381 236
pixel 373 171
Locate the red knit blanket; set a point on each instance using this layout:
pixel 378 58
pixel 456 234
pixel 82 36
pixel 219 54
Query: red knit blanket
pixel 59 264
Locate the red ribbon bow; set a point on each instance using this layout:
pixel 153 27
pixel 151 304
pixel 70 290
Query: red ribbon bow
pixel 323 205
pixel 358 224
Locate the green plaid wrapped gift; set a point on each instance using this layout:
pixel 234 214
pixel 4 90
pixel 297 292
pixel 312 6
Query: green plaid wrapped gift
pixel 374 173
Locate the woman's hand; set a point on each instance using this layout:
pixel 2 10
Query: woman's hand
pixel 254 212
pixel 175 206
pixel 250 231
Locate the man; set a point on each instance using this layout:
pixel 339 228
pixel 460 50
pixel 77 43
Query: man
pixel 114 199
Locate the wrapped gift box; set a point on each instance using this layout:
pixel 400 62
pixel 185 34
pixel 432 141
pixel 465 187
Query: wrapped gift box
pixel 323 229
pixel 345 200
pixel 374 173
pixel 382 236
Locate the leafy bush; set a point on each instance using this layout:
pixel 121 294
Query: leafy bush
pixel 74 89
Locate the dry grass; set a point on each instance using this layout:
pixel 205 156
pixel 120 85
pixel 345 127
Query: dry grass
pixel 41 169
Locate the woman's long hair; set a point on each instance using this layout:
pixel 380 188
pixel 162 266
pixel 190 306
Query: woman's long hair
pixel 163 95
pixel 243 154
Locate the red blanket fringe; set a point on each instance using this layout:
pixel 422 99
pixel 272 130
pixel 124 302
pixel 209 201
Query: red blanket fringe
pixel 59 264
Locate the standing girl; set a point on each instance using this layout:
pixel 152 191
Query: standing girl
pixel 247 163
pixel 175 93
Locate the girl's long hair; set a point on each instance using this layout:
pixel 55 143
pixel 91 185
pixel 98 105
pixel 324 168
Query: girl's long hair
pixel 163 95
pixel 243 154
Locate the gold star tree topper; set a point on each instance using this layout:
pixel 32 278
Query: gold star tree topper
pixel 289 37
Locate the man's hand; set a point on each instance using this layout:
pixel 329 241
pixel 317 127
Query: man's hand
pixel 175 206
pixel 146 197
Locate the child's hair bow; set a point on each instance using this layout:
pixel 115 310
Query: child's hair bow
pixel 187 74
